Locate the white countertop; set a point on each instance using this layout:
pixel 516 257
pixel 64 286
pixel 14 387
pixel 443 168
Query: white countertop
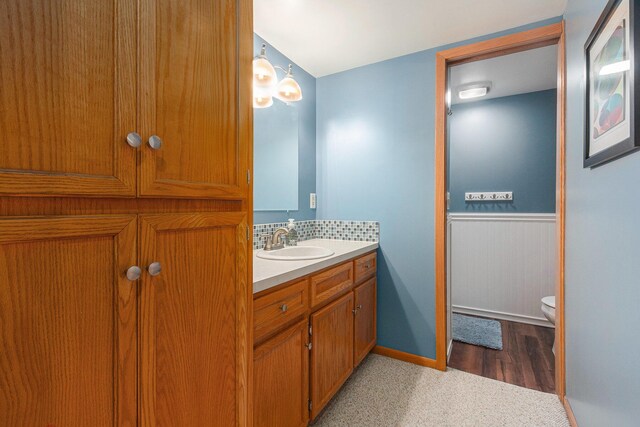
pixel 269 273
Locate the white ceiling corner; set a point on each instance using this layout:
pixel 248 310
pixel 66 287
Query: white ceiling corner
pixel 328 36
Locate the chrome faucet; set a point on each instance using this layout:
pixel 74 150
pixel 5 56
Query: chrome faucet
pixel 275 241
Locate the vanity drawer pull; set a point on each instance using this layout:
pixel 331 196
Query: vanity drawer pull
pixel 284 308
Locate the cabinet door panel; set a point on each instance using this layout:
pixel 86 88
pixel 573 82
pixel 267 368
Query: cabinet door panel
pixel 68 97
pixel 332 350
pixel 191 99
pixel 68 321
pixel 194 334
pixel 281 379
pixel 364 320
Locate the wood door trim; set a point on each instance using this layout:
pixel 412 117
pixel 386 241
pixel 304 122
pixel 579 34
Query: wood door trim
pixel 551 34
pixel 149 226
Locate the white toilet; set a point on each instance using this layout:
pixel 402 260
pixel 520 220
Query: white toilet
pixel 549 310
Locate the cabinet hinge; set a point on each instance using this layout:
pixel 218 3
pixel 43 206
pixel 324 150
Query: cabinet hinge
pixel 310 405
pixel 310 330
pixel 248 233
pixel 248 176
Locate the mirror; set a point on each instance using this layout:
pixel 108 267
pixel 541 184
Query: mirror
pixel 275 141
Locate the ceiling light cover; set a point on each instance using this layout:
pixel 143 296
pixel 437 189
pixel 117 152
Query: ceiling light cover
pixel 475 92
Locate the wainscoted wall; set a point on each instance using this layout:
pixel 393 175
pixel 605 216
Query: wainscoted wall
pixel 504 144
pixel 306 139
pixel 502 264
pixel 602 284
pixel 365 231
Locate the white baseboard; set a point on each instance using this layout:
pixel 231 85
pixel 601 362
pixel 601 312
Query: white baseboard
pixel 539 321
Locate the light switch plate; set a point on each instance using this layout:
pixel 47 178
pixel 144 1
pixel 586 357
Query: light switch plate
pixel 312 200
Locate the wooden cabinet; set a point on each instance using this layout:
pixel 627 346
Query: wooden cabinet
pixel 192 319
pixel 68 313
pixel 330 283
pixel 80 75
pixel 281 379
pixel 68 97
pixel 80 344
pixel 342 333
pixel 364 327
pixel 332 351
pixel 190 99
pixel 274 310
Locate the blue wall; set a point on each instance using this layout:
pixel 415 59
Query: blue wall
pixel 375 152
pixel 504 144
pixel 306 138
pixel 602 252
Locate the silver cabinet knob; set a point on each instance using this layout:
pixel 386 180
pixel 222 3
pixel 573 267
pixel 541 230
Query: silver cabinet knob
pixel 134 139
pixel 284 308
pixel 154 268
pixel 155 142
pixel 134 272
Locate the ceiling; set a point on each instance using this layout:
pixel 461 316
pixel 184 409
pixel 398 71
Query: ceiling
pixel 328 36
pixel 523 72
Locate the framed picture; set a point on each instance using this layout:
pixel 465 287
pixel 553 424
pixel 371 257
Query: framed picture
pixel 611 74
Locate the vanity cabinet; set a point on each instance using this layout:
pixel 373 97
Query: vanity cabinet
pixel 80 76
pixel 336 313
pixel 332 351
pixel 364 326
pixel 281 379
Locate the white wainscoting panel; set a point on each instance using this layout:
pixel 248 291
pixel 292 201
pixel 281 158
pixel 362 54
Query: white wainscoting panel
pixel 501 265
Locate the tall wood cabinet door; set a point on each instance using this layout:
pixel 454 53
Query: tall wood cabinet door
pixel 68 98
pixel 281 379
pixel 364 327
pixel 67 321
pixel 194 337
pixel 332 350
pixel 195 96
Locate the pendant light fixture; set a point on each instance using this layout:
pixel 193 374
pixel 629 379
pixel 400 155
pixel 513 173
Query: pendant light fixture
pixel 288 90
pixel 266 85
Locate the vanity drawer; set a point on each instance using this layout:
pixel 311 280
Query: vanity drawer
pixel 330 283
pixel 274 310
pixel 365 266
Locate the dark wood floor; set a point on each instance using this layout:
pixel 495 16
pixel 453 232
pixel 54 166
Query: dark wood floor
pixel 525 360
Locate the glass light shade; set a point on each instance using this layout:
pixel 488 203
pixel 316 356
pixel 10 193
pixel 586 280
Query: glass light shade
pixel 264 75
pixel 288 90
pixel 262 101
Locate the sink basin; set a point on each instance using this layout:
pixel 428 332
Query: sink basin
pixel 296 253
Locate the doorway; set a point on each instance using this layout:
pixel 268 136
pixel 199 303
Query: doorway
pixel 552 35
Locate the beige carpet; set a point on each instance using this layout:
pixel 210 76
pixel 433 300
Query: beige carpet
pixel 388 392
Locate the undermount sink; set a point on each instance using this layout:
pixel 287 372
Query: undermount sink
pixel 296 253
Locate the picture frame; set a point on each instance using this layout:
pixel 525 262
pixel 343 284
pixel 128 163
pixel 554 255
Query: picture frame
pixel 611 122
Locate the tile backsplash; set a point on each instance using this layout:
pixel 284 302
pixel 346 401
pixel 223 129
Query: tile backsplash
pixel 367 231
